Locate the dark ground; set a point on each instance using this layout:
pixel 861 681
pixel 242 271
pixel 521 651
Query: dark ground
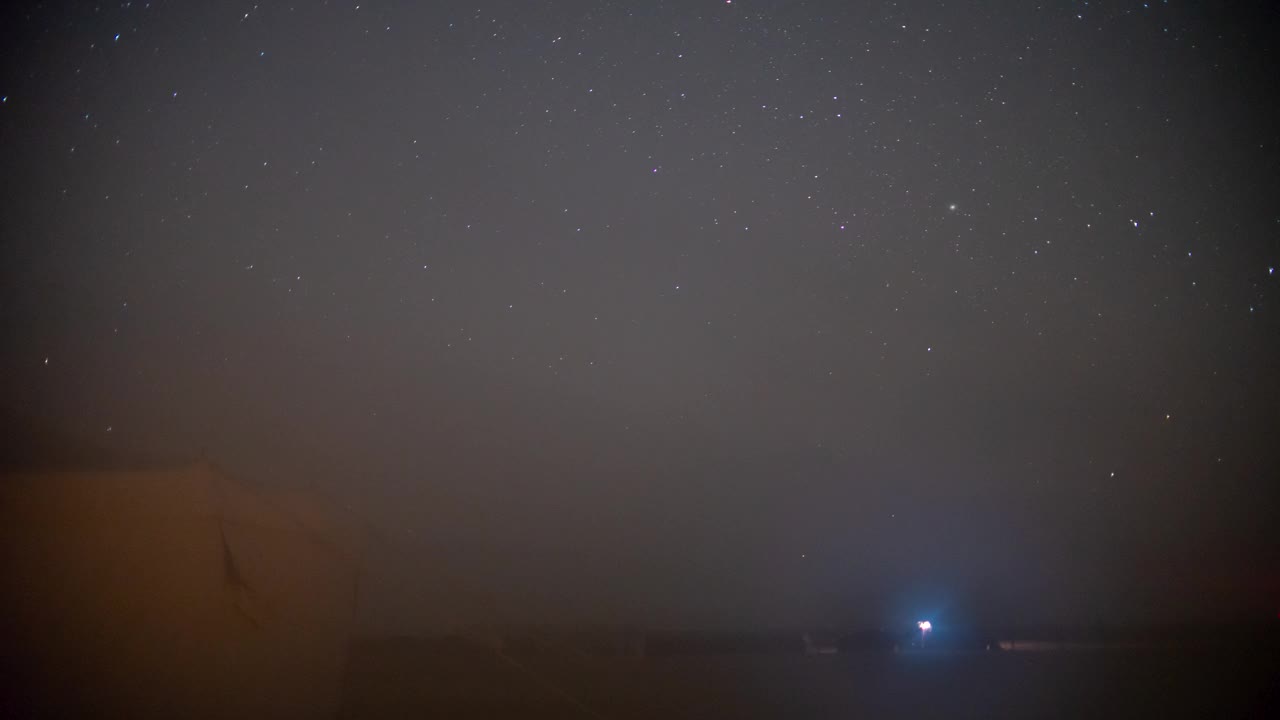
pixel 403 679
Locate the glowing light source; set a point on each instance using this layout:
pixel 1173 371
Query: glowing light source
pixel 924 625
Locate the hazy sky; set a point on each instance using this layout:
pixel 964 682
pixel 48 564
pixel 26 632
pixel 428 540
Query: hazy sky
pixel 684 311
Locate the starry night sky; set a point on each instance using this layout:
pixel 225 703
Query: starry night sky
pixel 687 311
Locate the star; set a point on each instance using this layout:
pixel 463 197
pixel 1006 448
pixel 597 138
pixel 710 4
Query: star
pixel 460 142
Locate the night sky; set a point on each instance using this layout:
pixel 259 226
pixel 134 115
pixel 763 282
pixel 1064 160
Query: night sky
pixel 678 312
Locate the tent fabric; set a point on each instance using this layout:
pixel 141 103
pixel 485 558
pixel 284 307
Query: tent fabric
pixel 326 519
pixel 175 593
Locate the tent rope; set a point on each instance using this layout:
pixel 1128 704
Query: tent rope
pixel 548 685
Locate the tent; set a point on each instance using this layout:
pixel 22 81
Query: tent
pixel 174 592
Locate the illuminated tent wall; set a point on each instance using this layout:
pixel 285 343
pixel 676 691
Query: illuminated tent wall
pixel 169 593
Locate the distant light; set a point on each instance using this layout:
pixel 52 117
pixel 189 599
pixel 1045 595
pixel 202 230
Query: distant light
pixel 924 625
